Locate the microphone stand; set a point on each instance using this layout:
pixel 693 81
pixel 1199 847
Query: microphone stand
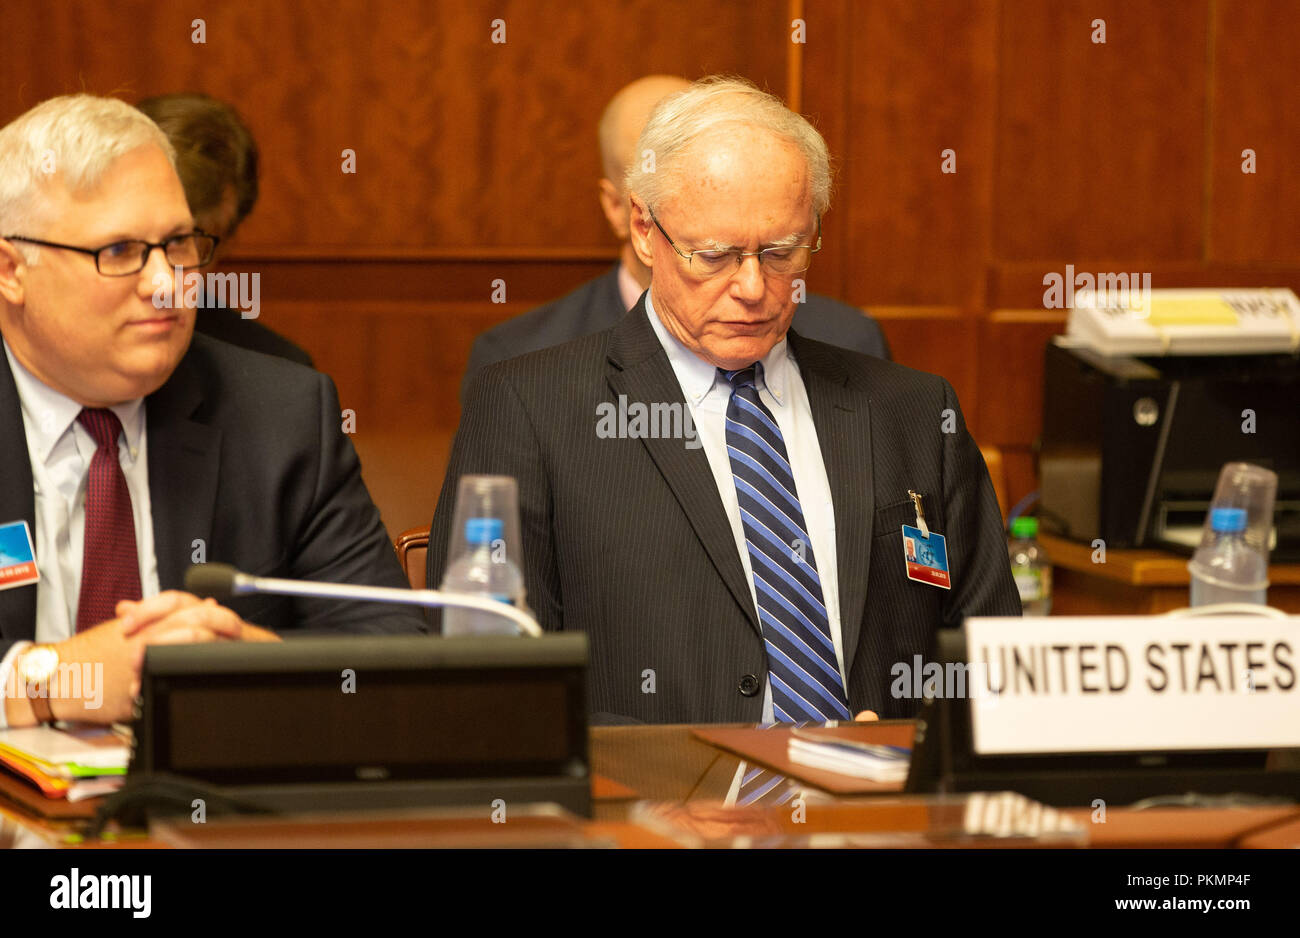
pixel 241 584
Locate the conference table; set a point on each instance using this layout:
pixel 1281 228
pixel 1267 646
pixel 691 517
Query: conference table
pixel 664 786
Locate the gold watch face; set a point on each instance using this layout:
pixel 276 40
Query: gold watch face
pixel 36 666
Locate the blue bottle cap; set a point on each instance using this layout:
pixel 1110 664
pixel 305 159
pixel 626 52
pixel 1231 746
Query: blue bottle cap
pixel 1228 520
pixel 484 530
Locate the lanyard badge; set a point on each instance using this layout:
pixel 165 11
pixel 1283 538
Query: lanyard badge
pixel 17 558
pixel 925 552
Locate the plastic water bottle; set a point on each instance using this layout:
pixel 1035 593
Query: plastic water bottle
pixel 1030 567
pixel 478 571
pixel 1227 569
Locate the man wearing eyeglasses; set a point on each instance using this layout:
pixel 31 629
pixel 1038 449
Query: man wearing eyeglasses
pixel 600 303
pixel 133 450
pixel 751 566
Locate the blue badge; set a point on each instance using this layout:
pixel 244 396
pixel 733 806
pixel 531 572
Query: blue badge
pixel 17 557
pixel 926 557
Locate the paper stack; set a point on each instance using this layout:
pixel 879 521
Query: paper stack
pixel 72 762
pixel 859 760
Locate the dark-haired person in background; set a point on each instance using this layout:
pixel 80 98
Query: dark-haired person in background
pixel 216 158
pixel 600 303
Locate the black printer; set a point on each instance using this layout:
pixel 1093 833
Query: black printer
pixel 1132 445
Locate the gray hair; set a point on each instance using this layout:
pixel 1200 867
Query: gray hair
pixel 73 138
pixel 712 102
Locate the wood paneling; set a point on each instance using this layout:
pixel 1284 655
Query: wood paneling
pixel 459 141
pixel 1010 374
pixel 398 368
pixel 1101 147
pixel 1252 216
pixel 1010 379
pixel 467 278
pixel 1020 285
pixel 912 333
pixel 1021 468
pixel 901 91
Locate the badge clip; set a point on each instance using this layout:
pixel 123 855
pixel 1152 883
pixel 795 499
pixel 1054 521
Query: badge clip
pixel 920 514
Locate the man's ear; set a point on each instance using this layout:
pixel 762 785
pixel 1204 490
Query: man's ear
pixel 13 272
pixel 640 229
pixel 615 207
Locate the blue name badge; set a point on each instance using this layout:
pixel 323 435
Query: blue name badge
pixel 17 556
pixel 926 557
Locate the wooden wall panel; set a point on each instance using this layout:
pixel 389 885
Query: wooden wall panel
pixel 1253 215
pixel 1020 468
pixel 912 333
pixel 1019 285
pixel 901 91
pixel 1011 348
pixel 398 368
pixel 825 67
pixel 1100 147
pixel 427 277
pixel 458 141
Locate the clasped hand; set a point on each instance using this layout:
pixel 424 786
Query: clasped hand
pixel 117 646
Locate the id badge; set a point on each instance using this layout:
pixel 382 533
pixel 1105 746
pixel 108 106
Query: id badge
pixel 17 556
pixel 926 557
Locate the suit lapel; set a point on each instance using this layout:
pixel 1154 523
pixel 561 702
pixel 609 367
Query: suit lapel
pixel 17 503
pixel 643 373
pixel 183 465
pixel 843 420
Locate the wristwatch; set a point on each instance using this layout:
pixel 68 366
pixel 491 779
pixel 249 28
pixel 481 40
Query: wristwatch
pixel 36 666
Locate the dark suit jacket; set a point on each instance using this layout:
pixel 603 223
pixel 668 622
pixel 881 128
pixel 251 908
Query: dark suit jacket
pixel 627 539
pixel 247 454
pixel 228 325
pixel 598 305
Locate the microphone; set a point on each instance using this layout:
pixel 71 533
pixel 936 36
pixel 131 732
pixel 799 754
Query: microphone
pixel 222 581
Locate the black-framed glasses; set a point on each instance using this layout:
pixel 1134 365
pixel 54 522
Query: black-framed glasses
pixel 709 262
pixel 123 258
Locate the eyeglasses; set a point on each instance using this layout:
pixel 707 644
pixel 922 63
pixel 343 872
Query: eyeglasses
pixel 123 258
pixel 779 260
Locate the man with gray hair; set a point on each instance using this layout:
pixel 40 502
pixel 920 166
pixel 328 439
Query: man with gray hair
pixel 602 302
pixel 134 450
pixel 753 567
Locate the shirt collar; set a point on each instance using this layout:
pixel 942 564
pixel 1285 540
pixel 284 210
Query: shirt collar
pixel 48 414
pixel 698 377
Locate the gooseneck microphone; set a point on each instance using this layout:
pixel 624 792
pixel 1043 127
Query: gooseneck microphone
pixel 222 581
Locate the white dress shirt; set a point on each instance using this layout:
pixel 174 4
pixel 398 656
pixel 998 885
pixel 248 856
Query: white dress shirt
pixel 781 388
pixel 60 450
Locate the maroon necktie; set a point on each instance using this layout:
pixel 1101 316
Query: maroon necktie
pixel 110 569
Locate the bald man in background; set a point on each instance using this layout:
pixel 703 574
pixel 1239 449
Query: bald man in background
pixel 599 304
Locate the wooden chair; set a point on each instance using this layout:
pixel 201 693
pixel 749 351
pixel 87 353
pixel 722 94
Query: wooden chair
pixel 412 547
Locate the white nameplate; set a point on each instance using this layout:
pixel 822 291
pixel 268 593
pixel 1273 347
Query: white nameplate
pixel 1133 683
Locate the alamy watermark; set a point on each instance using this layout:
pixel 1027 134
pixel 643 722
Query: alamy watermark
pixel 71 680
pixel 952 680
pixel 1131 291
pixel 241 291
pixel 637 420
pixel 132 892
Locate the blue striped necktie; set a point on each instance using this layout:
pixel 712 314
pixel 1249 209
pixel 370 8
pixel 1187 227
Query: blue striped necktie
pixel 801 663
pixel 763 786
